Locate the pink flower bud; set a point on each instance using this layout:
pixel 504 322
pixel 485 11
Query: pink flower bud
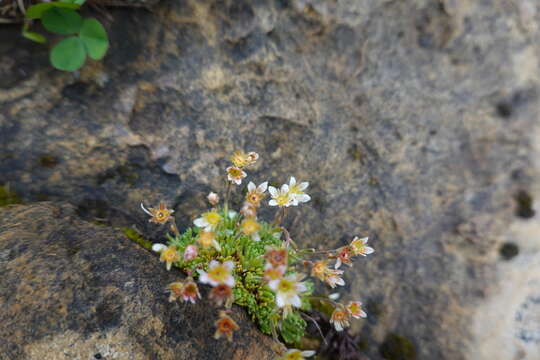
pixel 190 253
pixel 213 198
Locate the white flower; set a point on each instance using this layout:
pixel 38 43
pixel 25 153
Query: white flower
pixel 235 174
pixel 355 309
pixel 295 354
pixel 288 290
pixel 359 246
pixel 297 191
pixel 218 273
pixel 208 220
pixel 340 319
pixel 281 197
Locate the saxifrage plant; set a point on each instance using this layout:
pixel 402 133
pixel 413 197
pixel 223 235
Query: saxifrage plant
pixel 256 264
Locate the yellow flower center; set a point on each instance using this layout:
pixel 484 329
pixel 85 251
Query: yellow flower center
pixel 235 172
pixel 213 218
pixel 294 356
pixel 282 199
pixel 293 189
pixel 250 226
pixel 190 290
pixel 286 286
pixel 254 197
pixel 239 159
pixel 339 315
pixel 170 254
pixel 219 273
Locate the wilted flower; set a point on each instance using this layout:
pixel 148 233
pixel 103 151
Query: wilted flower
pixel 355 309
pixel 190 292
pixel 276 257
pixel 344 255
pixel 209 220
pixel 241 159
pixel 207 239
pixel 190 253
pixel 340 319
pixel 359 246
pixel 281 197
pixel 332 277
pixel 176 290
pixel 235 174
pixel 288 290
pixel 248 210
pixel 222 294
pixel 297 191
pixel 274 273
pixel 213 198
pixel 225 326
pixel 294 354
pixel 168 254
pixel 158 215
pixel 218 273
pixel 256 193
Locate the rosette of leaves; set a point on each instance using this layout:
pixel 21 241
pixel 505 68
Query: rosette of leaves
pixel 83 37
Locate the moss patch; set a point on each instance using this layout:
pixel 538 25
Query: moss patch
pixel 8 196
pixel 397 347
pixel 136 237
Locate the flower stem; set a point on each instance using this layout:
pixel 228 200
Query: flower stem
pixel 325 299
pixel 227 193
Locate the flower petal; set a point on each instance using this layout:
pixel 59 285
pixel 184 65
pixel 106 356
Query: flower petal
pixel 280 301
pixel 229 281
pixel 262 188
pixel 229 265
pixel 158 247
pixel 251 186
pixel 200 222
pixel 273 191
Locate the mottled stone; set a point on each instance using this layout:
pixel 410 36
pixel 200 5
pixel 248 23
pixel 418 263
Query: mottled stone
pixel 414 121
pixel 73 290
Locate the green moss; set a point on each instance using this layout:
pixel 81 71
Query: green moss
pixel 48 161
pixel 8 196
pixel 355 152
pixel 397 347
pixel 373 181
pixel 136 237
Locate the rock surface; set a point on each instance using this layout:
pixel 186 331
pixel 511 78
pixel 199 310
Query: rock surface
pixel 73 290
pixel 416 123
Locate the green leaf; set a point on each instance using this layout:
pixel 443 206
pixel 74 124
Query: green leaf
pixel 62 21
pixel 34 37
pixel 69 54
pixel 95 38
pixel 36 11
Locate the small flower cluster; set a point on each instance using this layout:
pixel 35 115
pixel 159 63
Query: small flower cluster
pixel 245 260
